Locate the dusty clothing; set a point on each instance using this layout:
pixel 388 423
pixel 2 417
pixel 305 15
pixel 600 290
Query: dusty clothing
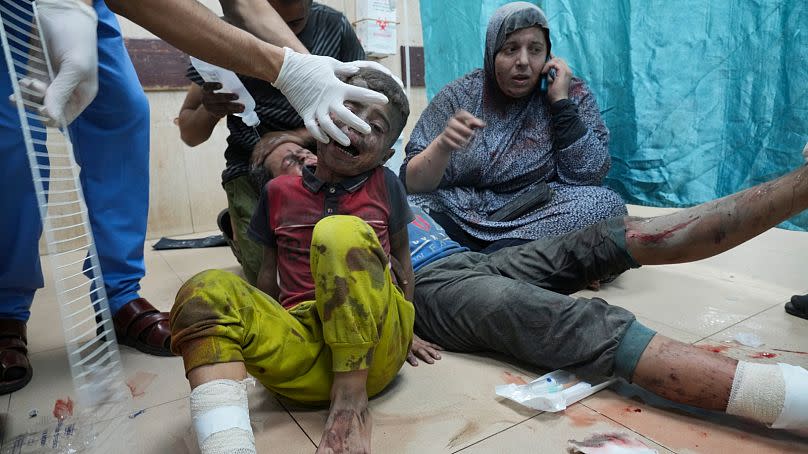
pixel 242 198
pixel 514 301
pixel 290 206
pixel 358 320
pixel 525 141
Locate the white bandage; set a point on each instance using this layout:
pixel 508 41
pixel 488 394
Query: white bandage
pixel 774 394
pixel 758 392
pixel 221 417
pixel 795 409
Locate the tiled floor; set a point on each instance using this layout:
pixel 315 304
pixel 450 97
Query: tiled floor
pixel 451 406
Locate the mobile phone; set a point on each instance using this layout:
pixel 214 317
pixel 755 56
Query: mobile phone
pixel 543 80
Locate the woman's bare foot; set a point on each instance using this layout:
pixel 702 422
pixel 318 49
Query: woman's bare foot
pixel 347 429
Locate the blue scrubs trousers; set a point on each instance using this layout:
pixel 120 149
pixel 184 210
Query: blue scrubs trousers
pixel 111 144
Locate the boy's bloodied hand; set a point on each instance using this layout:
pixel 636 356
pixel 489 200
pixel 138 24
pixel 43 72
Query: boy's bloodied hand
pixel 421 349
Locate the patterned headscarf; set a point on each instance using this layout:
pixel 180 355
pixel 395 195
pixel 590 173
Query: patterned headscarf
pixel 506 20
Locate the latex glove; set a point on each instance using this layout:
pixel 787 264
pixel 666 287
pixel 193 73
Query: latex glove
pixel 311 86
pixel 69 27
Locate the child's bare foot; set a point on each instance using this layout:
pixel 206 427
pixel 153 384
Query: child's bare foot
pixel 347 429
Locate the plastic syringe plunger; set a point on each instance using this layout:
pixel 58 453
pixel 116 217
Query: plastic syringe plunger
pixel 230 84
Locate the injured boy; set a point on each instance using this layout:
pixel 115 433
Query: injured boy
pixel 515 302
pixel 328 321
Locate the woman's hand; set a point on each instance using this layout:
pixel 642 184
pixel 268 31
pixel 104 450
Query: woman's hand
pixel 459 131
pixel 426 351
pixel 558 87
pixel 219 104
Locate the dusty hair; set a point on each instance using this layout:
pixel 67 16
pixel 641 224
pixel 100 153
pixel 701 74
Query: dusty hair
pixel 378 81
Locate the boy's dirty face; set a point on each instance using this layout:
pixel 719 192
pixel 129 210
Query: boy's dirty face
pixel 366 151
pixel 294 12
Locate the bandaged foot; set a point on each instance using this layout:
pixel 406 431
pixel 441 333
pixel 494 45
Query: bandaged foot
pixel 774 394
pixel 221 417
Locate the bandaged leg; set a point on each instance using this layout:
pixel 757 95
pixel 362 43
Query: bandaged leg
pixel 221 417
pixel 775 395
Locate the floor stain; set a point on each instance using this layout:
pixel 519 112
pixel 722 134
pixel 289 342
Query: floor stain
pixel 63 408
pixel 512 379
pixel 139 382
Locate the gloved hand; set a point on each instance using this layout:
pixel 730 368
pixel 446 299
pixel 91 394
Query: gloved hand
pixel 69 27
pixel 310 84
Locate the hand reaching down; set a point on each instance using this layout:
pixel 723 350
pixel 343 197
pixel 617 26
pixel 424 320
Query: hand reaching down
pixel 311 85
pixel 219 104
pixel 423 350
pixel 459 131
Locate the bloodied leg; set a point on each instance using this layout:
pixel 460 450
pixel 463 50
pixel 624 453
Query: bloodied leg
pixel 772 394
pixel 714 227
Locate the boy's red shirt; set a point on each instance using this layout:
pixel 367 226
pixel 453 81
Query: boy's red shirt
pixel 290 206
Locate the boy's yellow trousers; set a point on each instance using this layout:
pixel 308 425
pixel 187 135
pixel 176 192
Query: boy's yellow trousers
pixel 358 320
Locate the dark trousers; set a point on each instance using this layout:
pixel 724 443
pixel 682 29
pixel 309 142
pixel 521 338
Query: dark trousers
pixel 514 301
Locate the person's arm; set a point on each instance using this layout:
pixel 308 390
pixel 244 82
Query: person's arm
pixel 194 29
pixel 425 170
pixel 260 18
pixel 580 139
pixel 267 280
pixel 309 82
pixel 400 251
pixel 195 121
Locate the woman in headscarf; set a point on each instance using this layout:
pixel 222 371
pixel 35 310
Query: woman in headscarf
pixel 492 136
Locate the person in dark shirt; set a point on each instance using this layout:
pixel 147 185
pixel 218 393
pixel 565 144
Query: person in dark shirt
pixel 324 31
pixel 328 321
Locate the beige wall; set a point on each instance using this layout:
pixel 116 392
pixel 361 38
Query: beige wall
pixel 185 190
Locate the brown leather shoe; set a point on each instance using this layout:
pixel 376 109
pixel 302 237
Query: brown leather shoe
pixel 140 325
pixel 15 369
